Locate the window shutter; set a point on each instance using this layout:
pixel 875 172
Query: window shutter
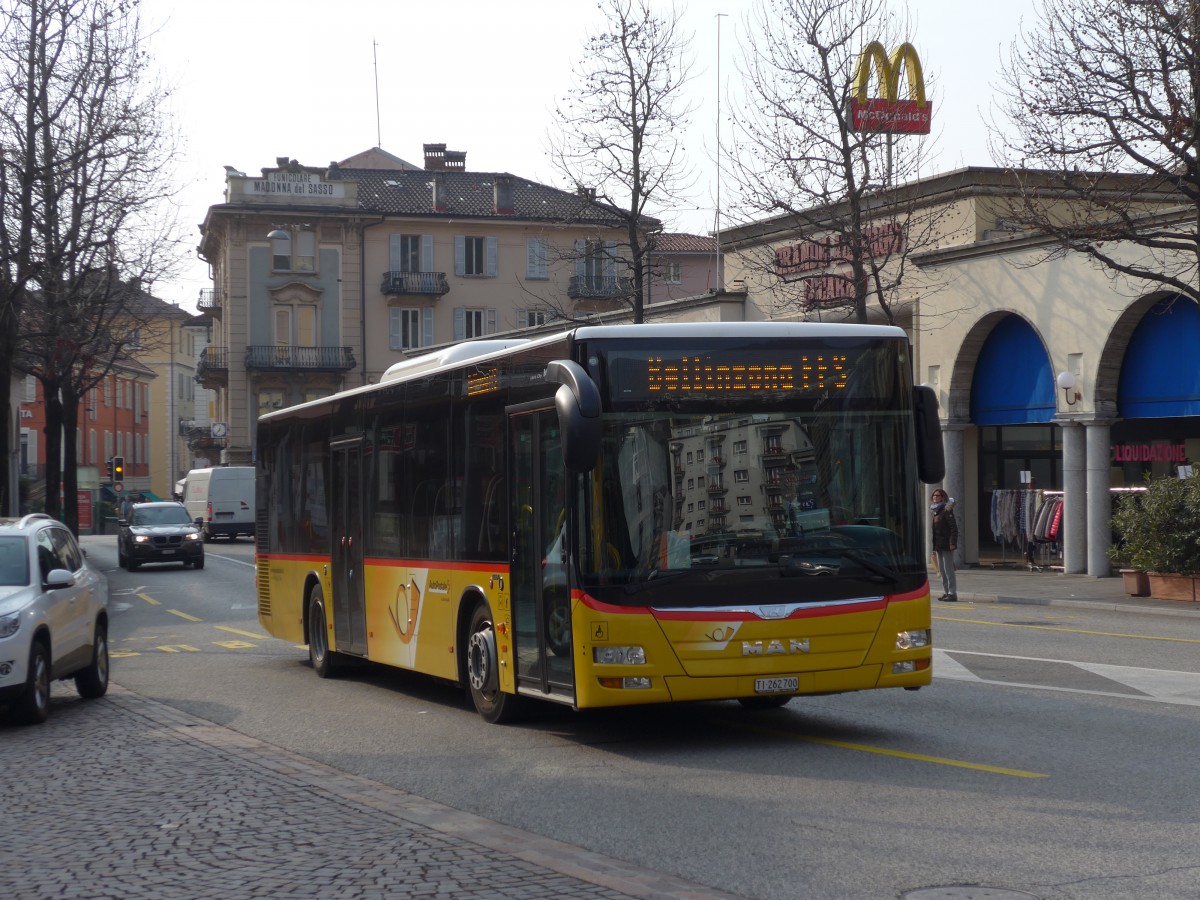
pixel 395 340
pixel 460 324
pixel 581 258
pixel 30 389
pixel 427 253
pixel 610 259
pixel 492 252
pixel 460 255
pixel 427 326
pixel 536 255
pixel 394 252
pixel 490 327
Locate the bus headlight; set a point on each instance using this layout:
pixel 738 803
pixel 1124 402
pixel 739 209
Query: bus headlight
pixel 910 640
pixel 622 656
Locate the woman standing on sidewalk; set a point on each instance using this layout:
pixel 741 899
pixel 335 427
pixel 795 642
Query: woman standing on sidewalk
pixel 945 540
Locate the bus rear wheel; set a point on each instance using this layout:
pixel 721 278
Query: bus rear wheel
pixel 483 671
pixel 319 654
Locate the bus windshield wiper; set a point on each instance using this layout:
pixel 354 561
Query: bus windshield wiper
pixel 794 567
pixel 874 568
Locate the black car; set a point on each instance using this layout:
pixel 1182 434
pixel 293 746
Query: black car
pixel 159 532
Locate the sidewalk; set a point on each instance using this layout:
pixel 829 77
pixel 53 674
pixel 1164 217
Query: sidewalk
pixel 127 797
pixel 1052 588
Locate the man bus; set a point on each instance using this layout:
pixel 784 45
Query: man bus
pixel 614 515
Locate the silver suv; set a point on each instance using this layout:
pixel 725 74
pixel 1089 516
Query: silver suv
pixel 53 616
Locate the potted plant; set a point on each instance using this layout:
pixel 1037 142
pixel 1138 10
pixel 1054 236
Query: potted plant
pixel 1158 533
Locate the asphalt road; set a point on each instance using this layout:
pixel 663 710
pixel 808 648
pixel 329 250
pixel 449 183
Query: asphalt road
pixel 1051 755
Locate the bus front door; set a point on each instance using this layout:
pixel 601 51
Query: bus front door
pixel 539 586
pixel 349 599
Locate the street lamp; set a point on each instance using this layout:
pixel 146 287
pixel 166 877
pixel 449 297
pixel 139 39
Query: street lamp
pixel 1067 384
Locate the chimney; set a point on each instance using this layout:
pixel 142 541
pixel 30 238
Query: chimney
pixel 503 191
pixel 439 159
pixel 435 155
pixel 439 193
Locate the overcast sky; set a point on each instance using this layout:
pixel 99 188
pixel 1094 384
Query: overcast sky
pixel 256 80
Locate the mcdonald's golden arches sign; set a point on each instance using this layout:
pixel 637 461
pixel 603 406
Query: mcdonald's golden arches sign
pixel 888 112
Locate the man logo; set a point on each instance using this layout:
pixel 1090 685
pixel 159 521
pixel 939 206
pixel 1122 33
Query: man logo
pixel 887 113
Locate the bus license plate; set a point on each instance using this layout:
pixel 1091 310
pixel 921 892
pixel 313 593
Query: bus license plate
pixel 786 685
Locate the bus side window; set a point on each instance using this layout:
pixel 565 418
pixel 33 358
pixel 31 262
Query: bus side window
pixel 491 529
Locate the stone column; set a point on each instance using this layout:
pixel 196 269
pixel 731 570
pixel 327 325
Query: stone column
pixel 1099 499
pixel 952 445
pixel 1074 527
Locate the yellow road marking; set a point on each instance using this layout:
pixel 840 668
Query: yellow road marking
pixel 235 645
pixel 250 634
pixel 920 757
pixel 184 615
pixel 149 599
pixel 123 654
pixel 899 754
pixel 1141 637
pixel 178 648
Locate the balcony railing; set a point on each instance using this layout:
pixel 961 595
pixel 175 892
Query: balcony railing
pixel 603 287
pixel 422 283
pixel 308 359
pixel 210 301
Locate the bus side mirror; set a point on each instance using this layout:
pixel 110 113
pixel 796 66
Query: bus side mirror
pixel 931 459
pixel 578 405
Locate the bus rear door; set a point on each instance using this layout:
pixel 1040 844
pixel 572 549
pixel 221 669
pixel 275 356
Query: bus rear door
pixel 349 599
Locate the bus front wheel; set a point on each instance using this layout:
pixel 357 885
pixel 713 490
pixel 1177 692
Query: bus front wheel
pixel 483 671
pixel 319 653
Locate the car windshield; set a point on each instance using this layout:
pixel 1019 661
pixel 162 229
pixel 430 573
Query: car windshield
pixel 162 515
pixel 14 561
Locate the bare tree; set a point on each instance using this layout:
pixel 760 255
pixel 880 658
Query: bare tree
pixel 1102 107
pixel 619 137
pixel 88 137
pixel 800 161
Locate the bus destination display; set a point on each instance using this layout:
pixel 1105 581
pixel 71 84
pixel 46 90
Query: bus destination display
pixel 652 376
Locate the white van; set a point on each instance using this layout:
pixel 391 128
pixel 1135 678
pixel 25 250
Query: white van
pixel 222 498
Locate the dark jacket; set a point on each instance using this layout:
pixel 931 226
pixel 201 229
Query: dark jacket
pixel 945 529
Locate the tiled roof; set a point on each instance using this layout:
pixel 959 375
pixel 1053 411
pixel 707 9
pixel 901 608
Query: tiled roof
pixel 677 242
pixel 471 194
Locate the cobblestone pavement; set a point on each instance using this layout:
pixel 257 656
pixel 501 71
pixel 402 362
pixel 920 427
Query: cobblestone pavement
pixel 127 797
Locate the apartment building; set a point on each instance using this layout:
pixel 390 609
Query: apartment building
pixel 323 277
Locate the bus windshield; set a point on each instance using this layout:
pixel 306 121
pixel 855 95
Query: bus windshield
pixel 772 505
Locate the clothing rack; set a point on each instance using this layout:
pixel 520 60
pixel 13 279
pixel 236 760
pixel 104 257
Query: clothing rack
pixel 1012 515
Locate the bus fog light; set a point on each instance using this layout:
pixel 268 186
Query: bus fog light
pixel 636 683
pixel 627 656
pixel 903 668
pixel 908 640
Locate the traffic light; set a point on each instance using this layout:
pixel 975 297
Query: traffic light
pixel 118 468
pixel 108 468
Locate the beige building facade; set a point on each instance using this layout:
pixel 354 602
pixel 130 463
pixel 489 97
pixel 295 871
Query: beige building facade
pixel 1052 375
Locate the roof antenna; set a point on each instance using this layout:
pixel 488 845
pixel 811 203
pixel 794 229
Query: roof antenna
pixel 375 57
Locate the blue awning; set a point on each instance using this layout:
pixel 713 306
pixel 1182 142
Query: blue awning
pixel 1160 376
pixel 1013 384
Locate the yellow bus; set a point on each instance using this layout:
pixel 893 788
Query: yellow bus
pixel 613 515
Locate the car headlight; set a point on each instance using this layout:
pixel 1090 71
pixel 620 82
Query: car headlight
pixel 10 624
pixel 194 536
pixel 141 539
pixel 629 656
